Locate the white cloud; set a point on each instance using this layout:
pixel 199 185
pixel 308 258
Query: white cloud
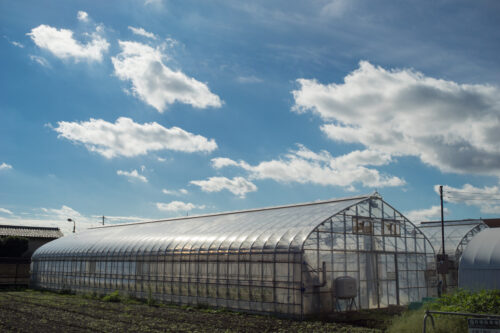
pixel 40 60
pixel 427 214
pixel 5 166
pixel 118 219
pixel 238 185
pixel 176 206
pixel 336 8
pixel 487 199
pixel 82 16
pixel 60 43
pixel 305 166
pixel 157 84
pixel 57 217
pixel 180 192
pixel 142 32
pixel 404 113
pixel 13 42
pixel 221 162
pixel 5 211
pixel 132 175
pixel 129 139
pixel 17 44
pixel 249 79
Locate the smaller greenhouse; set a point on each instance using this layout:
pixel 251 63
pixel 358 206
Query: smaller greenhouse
pixel 457 234
pixel 298 260
pixel 480 262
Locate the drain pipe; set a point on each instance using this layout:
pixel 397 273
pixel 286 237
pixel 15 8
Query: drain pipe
pixel 323 276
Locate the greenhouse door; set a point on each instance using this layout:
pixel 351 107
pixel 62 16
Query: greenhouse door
pixel 387 279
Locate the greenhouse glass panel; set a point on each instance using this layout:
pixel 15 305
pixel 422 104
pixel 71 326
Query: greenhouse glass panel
pixel 297 260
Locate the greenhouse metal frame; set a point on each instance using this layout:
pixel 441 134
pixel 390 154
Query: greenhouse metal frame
pixel 457 234
pixel 279 260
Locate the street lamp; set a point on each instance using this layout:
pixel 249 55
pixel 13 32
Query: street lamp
pixel 74 224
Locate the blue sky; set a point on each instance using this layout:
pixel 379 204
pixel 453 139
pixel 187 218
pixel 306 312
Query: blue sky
pixel 151 109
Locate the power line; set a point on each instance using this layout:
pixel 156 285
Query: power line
pixel 471 199
pixel 468 192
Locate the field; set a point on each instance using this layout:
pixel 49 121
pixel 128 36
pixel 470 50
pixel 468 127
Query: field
pixel 34 311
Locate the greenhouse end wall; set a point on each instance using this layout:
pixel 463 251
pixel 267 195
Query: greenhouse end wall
pixel 281 260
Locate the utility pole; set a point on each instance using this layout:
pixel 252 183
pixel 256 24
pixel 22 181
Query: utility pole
pixel 442 218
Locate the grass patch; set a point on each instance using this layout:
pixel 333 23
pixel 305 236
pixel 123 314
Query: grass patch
pixel 113 297
pixel 458 301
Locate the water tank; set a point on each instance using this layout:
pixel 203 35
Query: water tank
pixel 345 287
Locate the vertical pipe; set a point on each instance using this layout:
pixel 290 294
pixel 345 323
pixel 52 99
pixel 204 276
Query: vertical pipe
pixel 442 218
pixel 442 234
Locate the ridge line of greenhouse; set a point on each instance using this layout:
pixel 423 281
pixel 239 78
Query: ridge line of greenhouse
pixel 319 202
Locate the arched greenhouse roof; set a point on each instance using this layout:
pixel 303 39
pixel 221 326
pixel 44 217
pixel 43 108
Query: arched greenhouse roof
pixel 281 229
pixel 457 235
pixel 480 262
pixel 483 252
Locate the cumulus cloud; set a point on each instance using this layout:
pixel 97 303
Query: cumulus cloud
pixel 132 175
pixel 178 206
pixel 129 139
pixel 487 198
pixel 451 126
pixel 142 32
pixel 426 214
pixel 238 185
pixel 221 162
pixel 5 211
pixel 5 166
pixel 57 217
pixel 62 44
pixel 155 83
pixel 82 16
pixel 305 166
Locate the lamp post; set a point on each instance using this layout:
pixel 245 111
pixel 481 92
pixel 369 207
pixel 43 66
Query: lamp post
pixel 74 224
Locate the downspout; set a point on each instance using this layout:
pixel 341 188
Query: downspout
pixel 323 276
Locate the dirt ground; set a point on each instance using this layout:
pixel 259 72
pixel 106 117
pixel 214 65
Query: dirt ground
pixel 34 311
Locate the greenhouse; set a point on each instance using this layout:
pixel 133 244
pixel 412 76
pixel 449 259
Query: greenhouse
pixel 457 234
pixel 298 260
pixel 480 263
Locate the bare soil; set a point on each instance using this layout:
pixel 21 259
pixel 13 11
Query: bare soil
pixel 35 311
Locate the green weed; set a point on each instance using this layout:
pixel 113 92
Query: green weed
pixel 112 297
pixel 458 301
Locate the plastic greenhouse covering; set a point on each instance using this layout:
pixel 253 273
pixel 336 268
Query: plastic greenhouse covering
pixel 480 262
pixel 282 260
pixel 457 234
